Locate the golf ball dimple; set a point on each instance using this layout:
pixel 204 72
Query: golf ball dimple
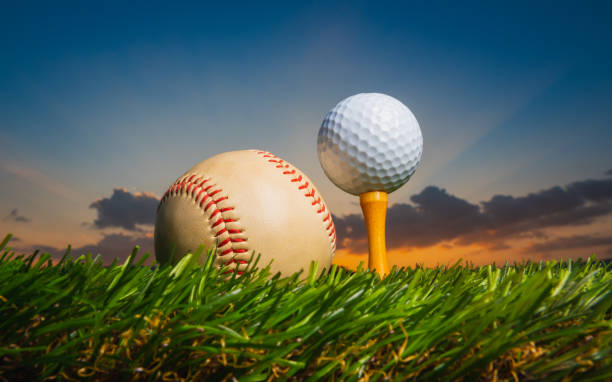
pixel 369 142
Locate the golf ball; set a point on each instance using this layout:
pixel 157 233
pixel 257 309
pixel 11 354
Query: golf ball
pixel 369 142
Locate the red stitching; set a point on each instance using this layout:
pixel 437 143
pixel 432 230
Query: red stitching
pixel 310 194
pixel 333 233
pixel 190 185
pixel 208 205
pixel 199 193
pixel 237 261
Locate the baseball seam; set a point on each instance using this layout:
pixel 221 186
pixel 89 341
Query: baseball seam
pixel 228 233
pixel 231 240
pixel 303 184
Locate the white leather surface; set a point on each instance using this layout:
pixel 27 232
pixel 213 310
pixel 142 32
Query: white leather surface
pixel 253 205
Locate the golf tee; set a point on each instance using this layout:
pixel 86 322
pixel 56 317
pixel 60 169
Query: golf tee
pixel 374 207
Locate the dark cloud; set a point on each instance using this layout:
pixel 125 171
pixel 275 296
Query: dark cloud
pixel 503 210
pixel 351 232
pixel 530 226
pixel 569 242
pixel 14 216
pixel 435 210
pixel 435 217
pixel 592 190
pixel 125 210
pixel 609 172
pixel 111 246
pixel 117 245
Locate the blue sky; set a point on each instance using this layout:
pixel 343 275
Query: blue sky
pixel 511 100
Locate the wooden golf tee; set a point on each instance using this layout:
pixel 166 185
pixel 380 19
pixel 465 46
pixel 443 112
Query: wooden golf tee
pixel 374 207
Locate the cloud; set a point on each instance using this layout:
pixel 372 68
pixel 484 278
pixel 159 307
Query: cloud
pixel 592 190
pixel 569 242
pixel 118 245
pixel 125 210
pixel 351 233
pixel 435 217
pixel 111 246
pixel 14 216
pixel 504 210
pixel 609 172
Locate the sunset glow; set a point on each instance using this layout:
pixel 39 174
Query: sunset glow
pixel 102 108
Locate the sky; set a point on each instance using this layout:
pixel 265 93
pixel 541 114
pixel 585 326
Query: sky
pixel 103 106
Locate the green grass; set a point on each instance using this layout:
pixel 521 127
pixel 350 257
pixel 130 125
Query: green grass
pixel 77 319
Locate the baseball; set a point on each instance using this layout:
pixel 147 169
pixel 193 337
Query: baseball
pixel 245 203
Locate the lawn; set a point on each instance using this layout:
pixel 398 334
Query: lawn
pixel 77 319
